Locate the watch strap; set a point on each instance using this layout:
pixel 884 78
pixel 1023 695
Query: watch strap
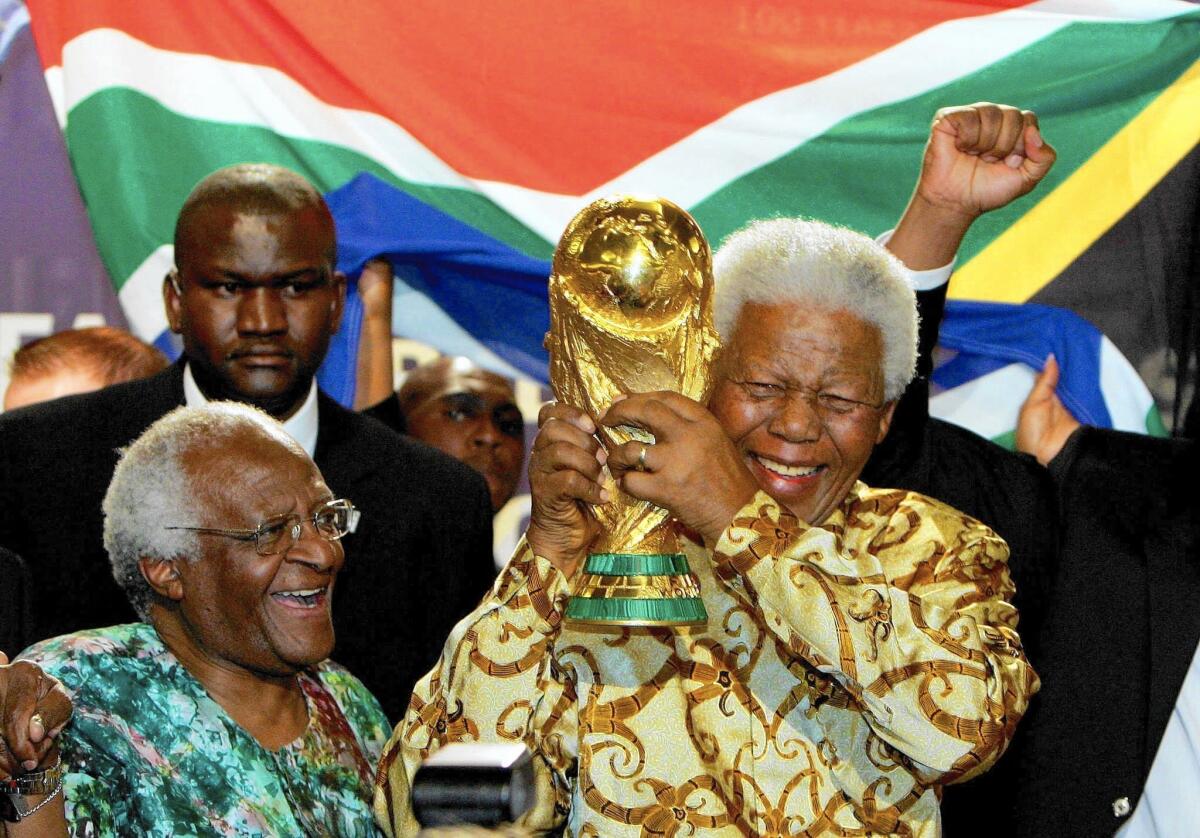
pixel 35 782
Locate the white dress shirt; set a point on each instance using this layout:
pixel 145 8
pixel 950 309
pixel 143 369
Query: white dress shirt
pixel 1170 804
pixel 301 425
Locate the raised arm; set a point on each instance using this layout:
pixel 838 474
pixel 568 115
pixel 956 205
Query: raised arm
pixel 979 158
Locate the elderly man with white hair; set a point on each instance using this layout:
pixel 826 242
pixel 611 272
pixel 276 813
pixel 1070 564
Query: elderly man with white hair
pixel 860 650
pixel 220 713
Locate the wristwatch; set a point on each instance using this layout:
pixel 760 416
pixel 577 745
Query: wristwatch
pixel 13 805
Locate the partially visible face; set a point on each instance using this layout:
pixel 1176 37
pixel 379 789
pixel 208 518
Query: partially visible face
pixel 31 389
pixel 267 614
pixel 800 393
pixel 256 302
pixel 472 416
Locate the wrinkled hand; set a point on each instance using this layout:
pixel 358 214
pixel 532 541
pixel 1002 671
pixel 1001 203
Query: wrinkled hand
pixel 692 469
pixel 981 157
pixel 1044 425
pixel 565 472
pixel 33 710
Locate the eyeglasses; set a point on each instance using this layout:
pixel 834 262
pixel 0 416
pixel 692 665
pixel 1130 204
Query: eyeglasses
pixel 332 520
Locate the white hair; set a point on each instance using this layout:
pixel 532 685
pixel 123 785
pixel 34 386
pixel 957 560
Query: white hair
pixel 151 490
pixel 818 265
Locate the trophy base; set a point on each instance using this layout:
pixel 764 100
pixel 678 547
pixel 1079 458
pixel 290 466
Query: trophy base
pixel 628 589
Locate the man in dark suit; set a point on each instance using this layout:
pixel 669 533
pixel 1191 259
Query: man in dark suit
pixel 1123 624
pixel 255 297
pixel 1008 492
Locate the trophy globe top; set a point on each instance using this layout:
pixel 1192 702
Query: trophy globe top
pixel 639 264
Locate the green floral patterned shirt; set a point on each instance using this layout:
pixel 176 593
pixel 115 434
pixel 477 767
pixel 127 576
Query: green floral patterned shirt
pixel 150 753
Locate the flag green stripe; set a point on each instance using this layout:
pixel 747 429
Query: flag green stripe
pixel 1007 440
pixel 136 162
pixel 860 173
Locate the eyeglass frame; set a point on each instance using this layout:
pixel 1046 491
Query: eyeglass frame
pixel 352 517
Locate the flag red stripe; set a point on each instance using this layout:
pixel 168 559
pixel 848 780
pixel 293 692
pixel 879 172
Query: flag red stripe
pixel 558 98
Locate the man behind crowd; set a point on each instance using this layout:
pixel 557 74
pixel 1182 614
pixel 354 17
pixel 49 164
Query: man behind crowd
pixel 219 710
pixel 467 412
pixel 1092 756
pixel 861 649
pixel 78 361
pixel 256 299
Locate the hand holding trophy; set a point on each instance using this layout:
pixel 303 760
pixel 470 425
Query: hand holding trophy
pixel 630 312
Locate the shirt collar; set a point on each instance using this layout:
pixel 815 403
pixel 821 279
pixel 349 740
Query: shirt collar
pixel 301 425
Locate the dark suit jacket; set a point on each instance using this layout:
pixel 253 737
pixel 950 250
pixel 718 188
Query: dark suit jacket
pixel 420 560
pixel 16 612
pixel 1121 632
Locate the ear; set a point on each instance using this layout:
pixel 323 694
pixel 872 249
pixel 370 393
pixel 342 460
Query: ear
pixel 172 299
pixel 163 577
pixel 885 420
pixel 338 304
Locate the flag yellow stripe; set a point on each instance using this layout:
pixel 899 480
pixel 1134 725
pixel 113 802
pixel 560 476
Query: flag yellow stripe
pixel 1059 228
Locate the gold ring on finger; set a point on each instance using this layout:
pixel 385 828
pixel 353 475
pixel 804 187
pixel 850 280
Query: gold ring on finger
pixel 641 460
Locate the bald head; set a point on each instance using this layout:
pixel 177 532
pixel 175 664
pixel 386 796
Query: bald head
pixel 437 377
pixel 259 189
pixel 470 414
pixel 255 293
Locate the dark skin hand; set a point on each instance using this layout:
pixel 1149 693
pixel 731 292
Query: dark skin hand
pixel 565 472
pixel 34 708
pixel 979 158
pixel 692 469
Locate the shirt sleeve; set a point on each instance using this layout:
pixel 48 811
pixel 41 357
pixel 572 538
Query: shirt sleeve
pixel 496 681
pixel 907 607
pixel 922 280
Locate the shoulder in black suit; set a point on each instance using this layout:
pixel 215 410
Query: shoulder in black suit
pixel 16 611
pixel 1120 633
pixel 420 560
pixel 56 459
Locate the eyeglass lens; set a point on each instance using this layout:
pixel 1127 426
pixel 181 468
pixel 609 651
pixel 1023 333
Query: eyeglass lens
pixel 275 535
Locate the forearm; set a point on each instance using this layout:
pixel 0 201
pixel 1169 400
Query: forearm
pixel 50 821
pixel 374 374
pixel 928 236
pixel 944 685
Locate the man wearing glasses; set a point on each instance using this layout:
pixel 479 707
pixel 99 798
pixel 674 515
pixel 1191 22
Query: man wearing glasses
pixel 219 710
pixel 255 298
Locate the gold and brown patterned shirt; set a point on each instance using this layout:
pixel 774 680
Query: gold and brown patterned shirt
pixel 846 673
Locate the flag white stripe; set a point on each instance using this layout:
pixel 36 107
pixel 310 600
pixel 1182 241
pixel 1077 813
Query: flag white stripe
pixel 141 295
pixel 203 87
pixel 987 405
pixel 1125 394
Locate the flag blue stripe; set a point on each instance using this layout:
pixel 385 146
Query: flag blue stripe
pixel 987 336
pixel 494 292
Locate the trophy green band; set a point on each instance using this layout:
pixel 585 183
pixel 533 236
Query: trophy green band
pixel 654 589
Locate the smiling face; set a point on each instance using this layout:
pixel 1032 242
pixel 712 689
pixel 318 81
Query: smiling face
pixel 800 392
pixel 256 300
pixel 471 415
pixel 267 614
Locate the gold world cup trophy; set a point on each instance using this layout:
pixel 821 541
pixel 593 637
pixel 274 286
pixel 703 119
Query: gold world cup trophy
pixel 631 312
